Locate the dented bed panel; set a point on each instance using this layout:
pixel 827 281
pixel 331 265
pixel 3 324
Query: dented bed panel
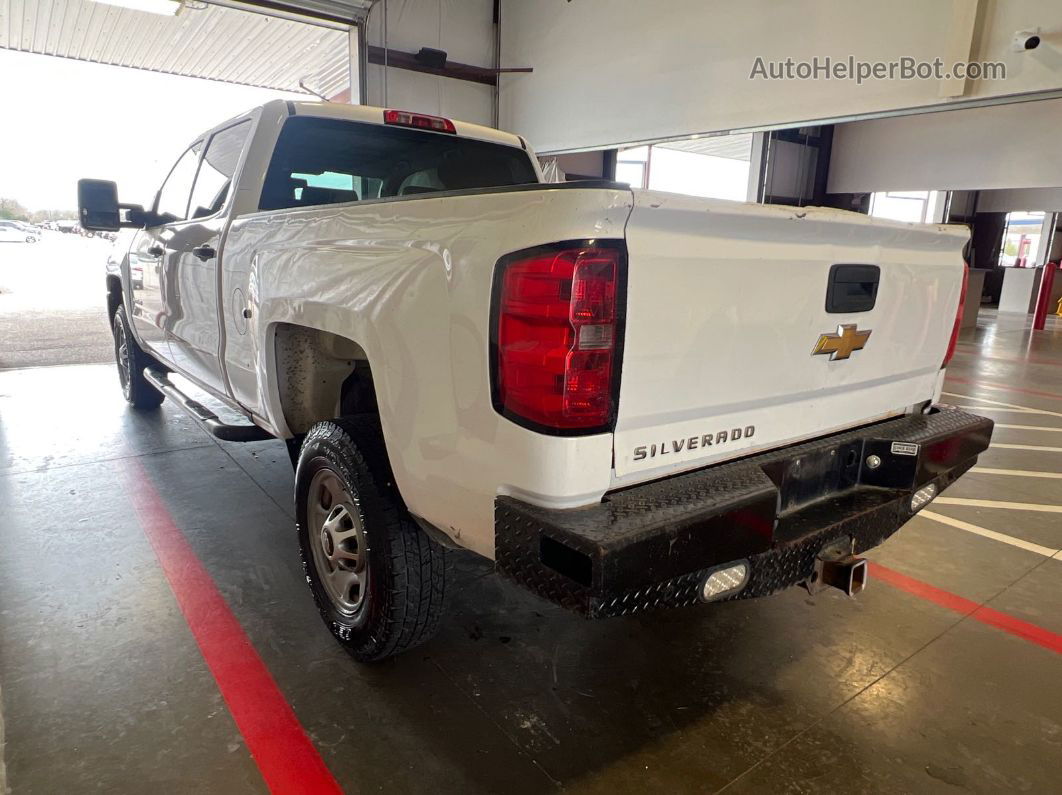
pixel 409 282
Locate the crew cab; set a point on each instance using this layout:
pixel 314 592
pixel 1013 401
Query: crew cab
pixel 624 398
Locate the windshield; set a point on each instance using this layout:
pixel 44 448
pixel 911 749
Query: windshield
pixel 325 161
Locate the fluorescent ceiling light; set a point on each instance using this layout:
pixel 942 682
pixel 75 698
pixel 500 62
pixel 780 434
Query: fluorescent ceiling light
pixel 165 7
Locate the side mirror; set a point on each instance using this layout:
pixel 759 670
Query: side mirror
pixel 99 210
pixel 97 205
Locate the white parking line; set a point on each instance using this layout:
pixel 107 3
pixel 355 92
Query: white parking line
pixel 1028 427
pixel 1027 447
pixel 1013 506
pixel 1047 552
pixel 998 408
pixel 1021 473
pixel 1014 406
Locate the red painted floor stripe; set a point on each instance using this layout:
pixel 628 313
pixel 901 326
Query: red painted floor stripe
pixel 1004 387
pixel 986 615
pixel 284 754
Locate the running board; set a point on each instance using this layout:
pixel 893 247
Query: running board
pixel 223 431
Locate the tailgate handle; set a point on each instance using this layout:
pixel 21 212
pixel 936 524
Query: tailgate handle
pixel 852 288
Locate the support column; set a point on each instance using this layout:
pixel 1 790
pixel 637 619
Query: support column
pixel 357 54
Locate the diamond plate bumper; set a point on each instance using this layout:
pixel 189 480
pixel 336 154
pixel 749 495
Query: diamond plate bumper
pixel 650 546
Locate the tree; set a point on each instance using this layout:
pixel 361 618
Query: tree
pixel 12 210
pixel 39 216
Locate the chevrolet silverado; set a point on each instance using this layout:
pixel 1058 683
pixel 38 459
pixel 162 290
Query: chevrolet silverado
pixel 624 398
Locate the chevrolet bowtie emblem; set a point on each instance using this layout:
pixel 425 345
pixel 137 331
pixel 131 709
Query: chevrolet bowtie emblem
pixel 840 345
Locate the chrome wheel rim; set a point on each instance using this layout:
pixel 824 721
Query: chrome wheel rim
pixel 121 354
pixel 339 542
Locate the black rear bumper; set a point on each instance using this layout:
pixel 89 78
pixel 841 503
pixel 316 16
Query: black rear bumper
pixel 652 545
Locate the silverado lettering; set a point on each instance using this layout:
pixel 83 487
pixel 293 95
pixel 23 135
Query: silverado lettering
pixel 693 442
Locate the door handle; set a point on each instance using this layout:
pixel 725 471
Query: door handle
pixel 204 252
pixel 156 251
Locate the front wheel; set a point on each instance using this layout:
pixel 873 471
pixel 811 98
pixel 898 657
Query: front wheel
pixel 131 361
pixel 378 580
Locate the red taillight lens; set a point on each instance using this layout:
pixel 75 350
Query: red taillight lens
pixel 958 316
pixel 556 336
pixel 403 118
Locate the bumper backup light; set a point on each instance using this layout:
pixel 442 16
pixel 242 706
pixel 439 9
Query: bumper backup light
pixel 724 581
pixel 922 497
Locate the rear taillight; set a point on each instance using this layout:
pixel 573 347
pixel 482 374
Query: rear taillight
pixel 958 316
pixel 422 121
pixel 556 330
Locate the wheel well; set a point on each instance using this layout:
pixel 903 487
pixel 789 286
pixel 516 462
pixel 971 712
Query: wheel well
pixel 320 376
pixel 114 295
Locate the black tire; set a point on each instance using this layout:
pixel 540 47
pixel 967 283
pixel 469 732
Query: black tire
pixel 131 361
pixel 400 594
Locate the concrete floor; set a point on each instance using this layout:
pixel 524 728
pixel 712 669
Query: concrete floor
pixel 104 689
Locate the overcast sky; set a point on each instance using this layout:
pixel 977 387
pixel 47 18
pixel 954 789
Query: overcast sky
pixel 64 119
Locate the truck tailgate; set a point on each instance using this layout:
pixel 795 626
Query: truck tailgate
pixel 726 303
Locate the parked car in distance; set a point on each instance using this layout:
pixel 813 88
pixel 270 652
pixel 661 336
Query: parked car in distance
pixel 31 229
pixel 17 232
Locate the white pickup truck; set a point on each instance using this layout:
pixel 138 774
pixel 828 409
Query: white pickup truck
pixel 626 399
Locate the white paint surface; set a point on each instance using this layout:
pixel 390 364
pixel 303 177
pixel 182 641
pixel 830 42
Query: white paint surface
pixel 1022 473
pixel 1027 447
pixel 993 408
pixel 1011 506
pixel 1047 552
pixel 1029 428
pixel 408 282
pixel 714 285
pixel 1014 406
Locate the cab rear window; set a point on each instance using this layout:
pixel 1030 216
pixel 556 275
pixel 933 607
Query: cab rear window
pixel 326 161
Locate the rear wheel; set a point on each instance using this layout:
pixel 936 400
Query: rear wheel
pixel 131 361
pixel 378 580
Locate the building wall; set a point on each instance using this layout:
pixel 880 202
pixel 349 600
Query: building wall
pixel 1003 146
pixel 610 72
pixel 1020 200
pixel 463 28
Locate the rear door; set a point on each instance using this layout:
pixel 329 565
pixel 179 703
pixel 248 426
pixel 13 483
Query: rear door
pixel 731 347
pixel 193 260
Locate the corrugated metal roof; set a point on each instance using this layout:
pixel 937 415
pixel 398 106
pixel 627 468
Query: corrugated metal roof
pixel 735 147
pixel 339 10
pixel 202 40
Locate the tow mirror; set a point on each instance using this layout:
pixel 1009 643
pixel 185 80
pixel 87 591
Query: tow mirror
pixel 97 205
pixel 99 210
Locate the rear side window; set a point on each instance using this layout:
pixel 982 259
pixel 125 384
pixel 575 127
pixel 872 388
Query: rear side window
pixel 326 161
pixel 216 170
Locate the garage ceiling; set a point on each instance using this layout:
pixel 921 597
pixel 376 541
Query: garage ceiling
pixel 201 40
pixel 336 10
pixel 735 147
